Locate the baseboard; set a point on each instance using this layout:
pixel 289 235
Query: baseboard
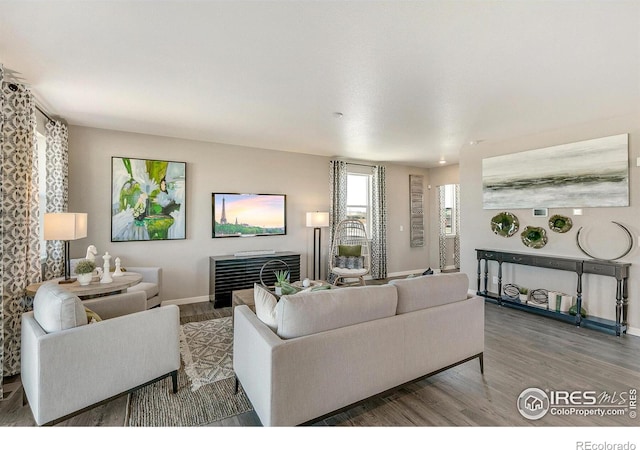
pixel 633 331
pixel 409 272
pixel 185 301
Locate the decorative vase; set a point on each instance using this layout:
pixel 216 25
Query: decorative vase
pixel 84 278
pixel 278 290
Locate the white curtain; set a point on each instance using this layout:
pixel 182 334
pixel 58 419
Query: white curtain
pixel 19 209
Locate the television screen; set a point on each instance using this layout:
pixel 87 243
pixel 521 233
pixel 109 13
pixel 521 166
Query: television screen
pixel 241 215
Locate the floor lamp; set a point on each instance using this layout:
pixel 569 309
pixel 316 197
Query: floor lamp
pixel 65 227
pixel 317 220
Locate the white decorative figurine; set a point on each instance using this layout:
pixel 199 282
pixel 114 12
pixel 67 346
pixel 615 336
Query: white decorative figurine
pixel 117 272
pixel 92 251
pixel 106 276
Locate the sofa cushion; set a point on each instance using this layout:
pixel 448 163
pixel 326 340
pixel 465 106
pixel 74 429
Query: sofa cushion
pixel 430 290
pixel 265 303
pixel 313 312
pixel 56 309
pixel 349 250
pixel 151 289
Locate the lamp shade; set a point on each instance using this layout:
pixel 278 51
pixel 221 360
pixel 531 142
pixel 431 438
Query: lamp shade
pixel 317 219
pixel 65 226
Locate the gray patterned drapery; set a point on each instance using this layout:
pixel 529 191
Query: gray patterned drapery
pixel 57 164
pixel 338 212
pixel 19 208
pixel 443 225
pixel 378 223
pixel 338 196
pixel 442 235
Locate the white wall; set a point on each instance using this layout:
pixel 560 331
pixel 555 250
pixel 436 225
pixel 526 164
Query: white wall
pixel 601 236
pixel 224 168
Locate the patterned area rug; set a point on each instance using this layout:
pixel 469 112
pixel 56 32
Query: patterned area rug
pixel 206 349
pixel 207 397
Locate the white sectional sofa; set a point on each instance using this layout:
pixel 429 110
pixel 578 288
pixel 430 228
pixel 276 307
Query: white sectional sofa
pixel 337 347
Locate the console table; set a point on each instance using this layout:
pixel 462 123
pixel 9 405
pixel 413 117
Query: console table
pixel 228 273
pixel 618 270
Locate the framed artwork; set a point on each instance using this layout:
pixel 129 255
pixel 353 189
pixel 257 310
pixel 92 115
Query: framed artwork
pixel 592 173
pixel 148 200
pixel 416 197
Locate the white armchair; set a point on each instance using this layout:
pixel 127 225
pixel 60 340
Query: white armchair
pixel 69 366
pixel 151 284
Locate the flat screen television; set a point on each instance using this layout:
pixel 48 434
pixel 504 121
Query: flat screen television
pixel 244 215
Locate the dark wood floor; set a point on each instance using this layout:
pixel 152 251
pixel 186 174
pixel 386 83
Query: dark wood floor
pixel 522 350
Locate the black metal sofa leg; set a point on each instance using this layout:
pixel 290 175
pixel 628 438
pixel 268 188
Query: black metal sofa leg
pixel 174 381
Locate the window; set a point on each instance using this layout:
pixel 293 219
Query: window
pixel 359 198
pixel 450 206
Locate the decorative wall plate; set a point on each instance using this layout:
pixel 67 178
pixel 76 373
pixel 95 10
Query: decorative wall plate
pixel 560 224
pixel 534 237
pixel 505 224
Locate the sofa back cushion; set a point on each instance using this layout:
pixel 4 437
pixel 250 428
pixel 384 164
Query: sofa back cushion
pixel 56 309
pixel 265 303
pixel 430 290
pixel 313 312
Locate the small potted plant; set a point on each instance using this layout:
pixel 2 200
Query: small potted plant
pixel 282 276
pixel 84 271
pixel 524 294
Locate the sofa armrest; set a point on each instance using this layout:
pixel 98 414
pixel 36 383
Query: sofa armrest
pixel 253 347
pixel 117 305
pixel 90 363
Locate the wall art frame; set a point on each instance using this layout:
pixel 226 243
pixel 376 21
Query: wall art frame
pixel 590 173
pixel 416 207
pixel 148 199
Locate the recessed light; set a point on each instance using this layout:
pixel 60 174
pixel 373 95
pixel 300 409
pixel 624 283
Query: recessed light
pixel 476 142
pixel 442 161
pixel 337 115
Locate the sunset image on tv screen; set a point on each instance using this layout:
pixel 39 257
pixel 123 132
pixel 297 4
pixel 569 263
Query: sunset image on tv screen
pixel 248 215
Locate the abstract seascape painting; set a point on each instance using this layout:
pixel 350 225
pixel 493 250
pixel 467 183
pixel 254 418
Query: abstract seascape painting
pixel 592 173
pixel 147 199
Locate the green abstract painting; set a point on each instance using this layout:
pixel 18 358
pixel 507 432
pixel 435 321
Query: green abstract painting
pixel 147 199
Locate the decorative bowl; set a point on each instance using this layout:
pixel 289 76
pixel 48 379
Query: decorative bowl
pixel 560 224
pixel 505 224
pixel 534 237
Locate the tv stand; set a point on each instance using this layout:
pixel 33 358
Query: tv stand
pixel 228 273
pixel 618 270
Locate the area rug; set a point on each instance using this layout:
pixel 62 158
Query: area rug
pixel 206 349
pixel 214 398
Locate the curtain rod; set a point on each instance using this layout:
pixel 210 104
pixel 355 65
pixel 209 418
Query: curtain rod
pixel 44 113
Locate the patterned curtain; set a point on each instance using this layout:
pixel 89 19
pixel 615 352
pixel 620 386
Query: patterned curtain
pixel 338 197
pixel 20 263
pixel 57 164
pixel 378 223
pixel 442 238
pixel 456 239
pixel 443 227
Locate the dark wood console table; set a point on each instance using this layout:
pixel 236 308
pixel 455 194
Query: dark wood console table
pixel 618 270
pixel 228 273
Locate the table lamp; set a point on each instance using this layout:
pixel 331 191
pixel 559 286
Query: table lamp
pixel 317 220
pixel 65 227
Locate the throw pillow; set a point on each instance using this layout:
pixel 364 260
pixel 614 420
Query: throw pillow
pixel 349 250
pixel 56 309
pixel 92 316
pixel 265 303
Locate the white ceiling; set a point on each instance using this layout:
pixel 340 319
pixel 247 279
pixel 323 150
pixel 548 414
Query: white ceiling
pixel 415 81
